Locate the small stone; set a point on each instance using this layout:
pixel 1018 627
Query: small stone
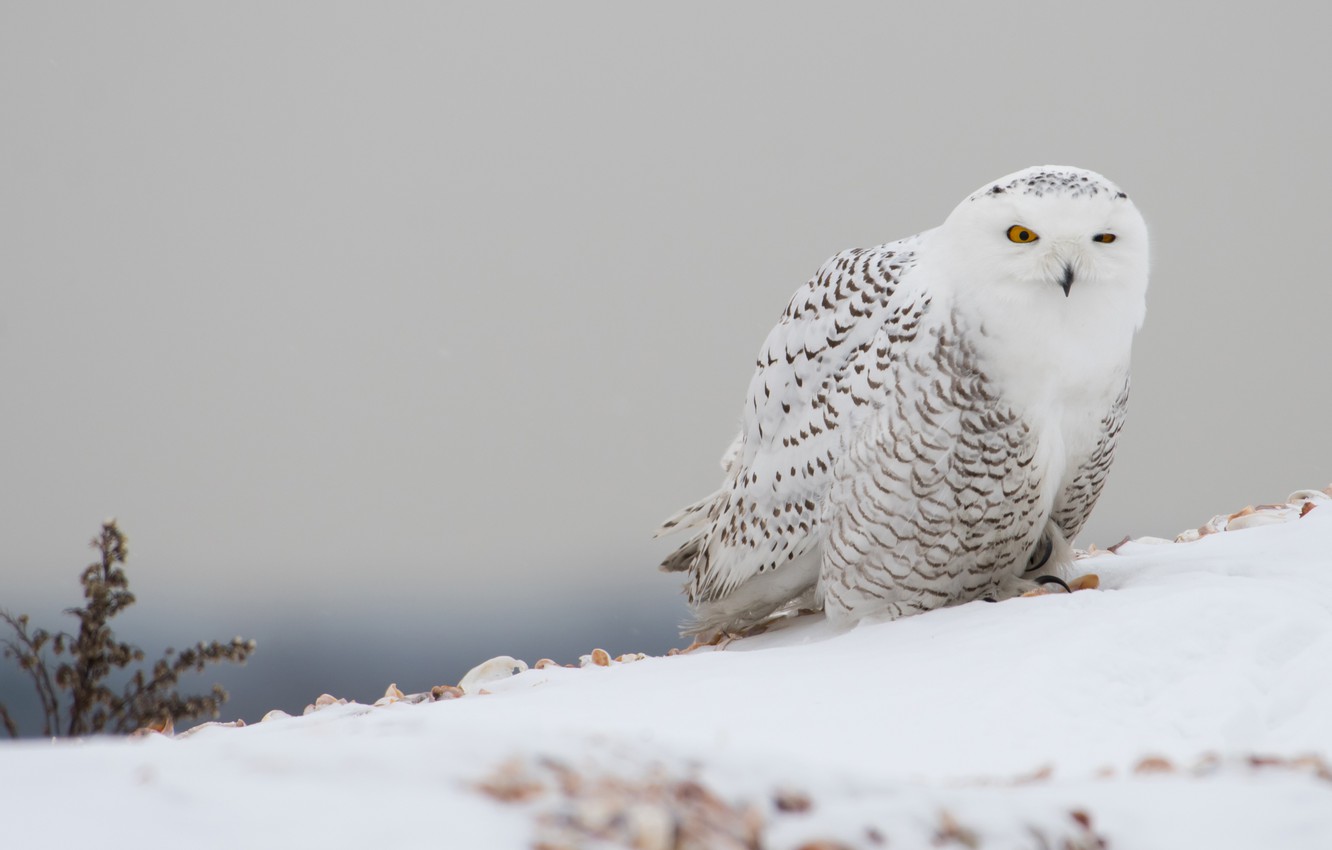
pixel 275 714
pixel 1315 763
pixel 1307 496
pixel 1040 774
pixel 650 827
pixel 1212 526
pixel 596 814
pixel 1254 520
pixel 324 701
pixel 493 670
pixel 543 663
pixel 950 831
pixel 391 695
pixel 1208 762
pixel 144 732
pixel 440 692
pixel 601 658
pixel 163 726
pixel 791 801
pixel 1153 764
pixel 511 783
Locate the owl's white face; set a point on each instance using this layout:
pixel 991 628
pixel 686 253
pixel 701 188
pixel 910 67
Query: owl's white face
pixel 1051 264
pixel 1061 241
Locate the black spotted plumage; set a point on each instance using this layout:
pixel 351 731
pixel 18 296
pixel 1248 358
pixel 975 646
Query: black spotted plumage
pixel 900 447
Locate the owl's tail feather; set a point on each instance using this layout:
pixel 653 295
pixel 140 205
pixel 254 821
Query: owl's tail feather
pixel 683 558
pixel 697 514
pixel 691 517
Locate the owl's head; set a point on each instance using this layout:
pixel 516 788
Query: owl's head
pixel 1055 239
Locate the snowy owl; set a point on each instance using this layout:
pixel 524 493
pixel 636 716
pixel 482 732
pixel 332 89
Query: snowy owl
pixel 931 420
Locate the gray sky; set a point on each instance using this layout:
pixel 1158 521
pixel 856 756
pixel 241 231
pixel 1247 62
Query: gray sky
pixel 404 324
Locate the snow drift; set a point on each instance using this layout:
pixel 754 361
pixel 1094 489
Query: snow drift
pixel 1187 703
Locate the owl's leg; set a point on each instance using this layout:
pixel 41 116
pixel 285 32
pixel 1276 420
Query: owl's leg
pixel 1011 587
pixel 1053 556
pixel 699 643
pixel 720 640
pixel 722 637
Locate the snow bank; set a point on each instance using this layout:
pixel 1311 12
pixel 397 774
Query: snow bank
pixel 1188 703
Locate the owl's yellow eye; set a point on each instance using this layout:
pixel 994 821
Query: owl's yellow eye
pixel 1104 238
pixel 1018 233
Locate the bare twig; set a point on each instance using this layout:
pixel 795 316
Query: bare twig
pixel 10 726
pixel 95 653
pixel 28 652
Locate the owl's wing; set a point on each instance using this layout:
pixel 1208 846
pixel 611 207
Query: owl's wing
pixel 820 373
pixel 1078 496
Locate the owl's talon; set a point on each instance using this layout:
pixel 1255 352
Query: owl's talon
pixel 1090 581
pixel 1044 580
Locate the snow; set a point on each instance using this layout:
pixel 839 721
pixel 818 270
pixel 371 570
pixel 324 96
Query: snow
pixel 985 725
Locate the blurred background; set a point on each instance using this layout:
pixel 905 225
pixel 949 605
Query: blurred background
pixel 390 331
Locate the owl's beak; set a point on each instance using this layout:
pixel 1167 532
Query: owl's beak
pixel 1066 280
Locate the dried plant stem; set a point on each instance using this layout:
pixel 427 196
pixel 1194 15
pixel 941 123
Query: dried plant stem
pixel 95 653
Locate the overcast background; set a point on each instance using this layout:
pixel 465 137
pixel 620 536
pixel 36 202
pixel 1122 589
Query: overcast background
pixel 389 332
